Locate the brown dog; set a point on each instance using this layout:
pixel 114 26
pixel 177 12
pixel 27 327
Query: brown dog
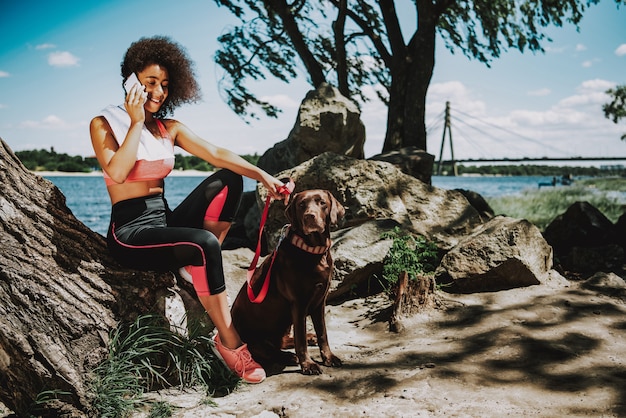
pixel 299 282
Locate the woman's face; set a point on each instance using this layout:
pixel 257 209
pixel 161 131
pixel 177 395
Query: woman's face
pixel 156 79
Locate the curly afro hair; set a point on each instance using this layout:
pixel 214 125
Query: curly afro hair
pixel 160 50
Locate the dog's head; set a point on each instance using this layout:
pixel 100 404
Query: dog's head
pixel 312 211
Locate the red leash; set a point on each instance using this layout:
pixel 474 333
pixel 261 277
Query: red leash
pixel 286 190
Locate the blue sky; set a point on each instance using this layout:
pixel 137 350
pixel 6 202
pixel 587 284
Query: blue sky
pixel 59 66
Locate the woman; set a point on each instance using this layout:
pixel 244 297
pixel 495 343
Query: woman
pixel 135 148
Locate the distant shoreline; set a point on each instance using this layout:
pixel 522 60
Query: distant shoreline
pixel 174 173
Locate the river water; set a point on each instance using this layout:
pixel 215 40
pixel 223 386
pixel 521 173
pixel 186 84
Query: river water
pixel 88 199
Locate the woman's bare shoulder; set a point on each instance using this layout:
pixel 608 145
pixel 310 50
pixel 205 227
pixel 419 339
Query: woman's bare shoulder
pixel 99 122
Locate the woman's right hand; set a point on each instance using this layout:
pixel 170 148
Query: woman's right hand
pixel 135 99
pixel 275 187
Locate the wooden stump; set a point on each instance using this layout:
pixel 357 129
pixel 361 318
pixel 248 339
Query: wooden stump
pixel 411 296
pixel 60 294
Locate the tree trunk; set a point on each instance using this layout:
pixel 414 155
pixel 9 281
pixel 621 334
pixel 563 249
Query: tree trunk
pixel 60 294
pixel 410 296
pixel 410 78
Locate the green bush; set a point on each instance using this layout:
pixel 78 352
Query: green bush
pixel 414 255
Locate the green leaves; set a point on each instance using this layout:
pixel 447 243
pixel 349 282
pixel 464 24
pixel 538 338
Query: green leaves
pixel 616 109
pixel 366 45
pixel 414 255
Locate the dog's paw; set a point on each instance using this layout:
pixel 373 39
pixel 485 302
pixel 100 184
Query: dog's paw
pixel 288 359
pixel 311 368
pixel 332 361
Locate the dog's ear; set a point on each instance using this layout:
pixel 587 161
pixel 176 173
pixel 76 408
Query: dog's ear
pixel 337 211
pixel 290 210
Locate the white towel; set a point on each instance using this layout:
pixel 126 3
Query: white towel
pixel 150 148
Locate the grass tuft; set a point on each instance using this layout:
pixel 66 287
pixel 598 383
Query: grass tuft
pixel 146 355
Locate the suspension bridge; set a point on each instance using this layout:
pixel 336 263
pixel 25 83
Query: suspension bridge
pixel 447 137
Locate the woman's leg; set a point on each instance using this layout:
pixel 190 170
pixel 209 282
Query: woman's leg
pixel 163 247
pixel 218 228
pixel 215 200
pixel 218 304
pixel 213 205
pixel 219 312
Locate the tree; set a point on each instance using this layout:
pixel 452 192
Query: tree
pixel 359 43
pixel 616 110
pixel 61 294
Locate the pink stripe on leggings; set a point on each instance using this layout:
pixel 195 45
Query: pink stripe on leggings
pixel 216 206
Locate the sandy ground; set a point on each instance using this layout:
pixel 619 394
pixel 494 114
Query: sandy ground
pixel 552 350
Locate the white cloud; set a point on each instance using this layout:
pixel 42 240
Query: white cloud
pixel 595 85
pixel 580 47
pixel 572 127
pixel 621 50
pixel 62 59
pixel 555 50
pixel 45 46
pixel 540 92
pixel 4 74
pixel 49 122
pixel 281 101
pixel 454 92
pixel 554 116
pixel 589 94
pixel 3 106
pixel 587 64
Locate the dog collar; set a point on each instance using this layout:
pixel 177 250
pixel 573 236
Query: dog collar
pixel 298 242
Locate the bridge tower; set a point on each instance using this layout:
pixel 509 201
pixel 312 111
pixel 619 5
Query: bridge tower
pixel 446 128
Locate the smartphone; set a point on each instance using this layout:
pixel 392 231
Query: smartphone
pixel 130 82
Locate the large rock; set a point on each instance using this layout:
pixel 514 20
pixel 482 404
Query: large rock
pixel 504 253
pixel 585 240
pixel 410 160
pixel 582 225
pixel 478 202
pixel 378 190
pixel 377 197
pixel 359 253
pixel 327 121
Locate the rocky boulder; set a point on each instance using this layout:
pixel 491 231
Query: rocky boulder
pixel 607 283
pixel 327 121
pixel 372 190
pixel 585 240
pixel 481 253
pixel 359 253
pixel 479 203
pixel 582 225
pixel 504 253
pixel 410 160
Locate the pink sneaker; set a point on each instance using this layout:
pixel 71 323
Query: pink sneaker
pixel 240 361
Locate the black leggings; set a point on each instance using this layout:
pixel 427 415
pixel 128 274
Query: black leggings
pixel 145 234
